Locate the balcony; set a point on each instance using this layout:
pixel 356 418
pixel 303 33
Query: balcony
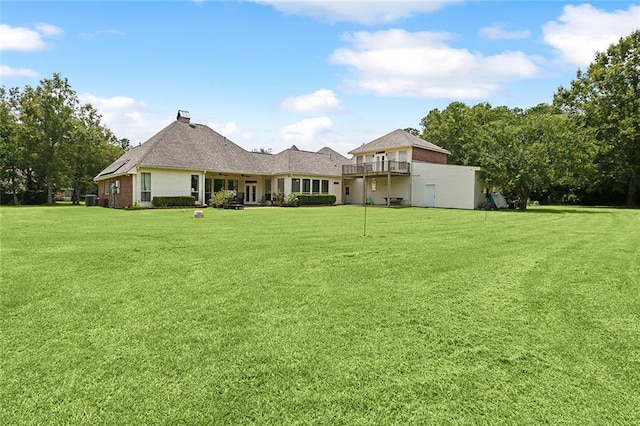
pixel 378 168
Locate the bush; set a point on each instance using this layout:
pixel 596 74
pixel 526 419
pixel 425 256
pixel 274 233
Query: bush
pixel 290 200
pixel 179 201
pixel 222 197
pixel 316 200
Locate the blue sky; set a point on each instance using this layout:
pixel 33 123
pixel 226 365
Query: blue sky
pixel 270 74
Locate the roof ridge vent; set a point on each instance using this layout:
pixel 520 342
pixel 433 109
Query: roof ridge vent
pixel 183 116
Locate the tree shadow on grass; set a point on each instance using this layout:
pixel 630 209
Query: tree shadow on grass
pixel 566 210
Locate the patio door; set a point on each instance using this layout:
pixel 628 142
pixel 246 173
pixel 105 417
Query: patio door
pixel 380 157
pixel 250 192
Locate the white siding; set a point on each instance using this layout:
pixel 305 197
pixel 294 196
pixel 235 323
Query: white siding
pixel 455 186
pixel 167 182
pixel 400 188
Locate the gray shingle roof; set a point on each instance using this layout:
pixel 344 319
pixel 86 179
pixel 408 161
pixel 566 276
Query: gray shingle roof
pixel 397 139
pixel 198 147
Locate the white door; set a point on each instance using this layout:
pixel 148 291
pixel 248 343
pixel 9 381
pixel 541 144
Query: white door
pixel 380 166
pixel 251 193
pixel 431 196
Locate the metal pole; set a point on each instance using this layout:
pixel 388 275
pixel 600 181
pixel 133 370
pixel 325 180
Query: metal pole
pixel 365 207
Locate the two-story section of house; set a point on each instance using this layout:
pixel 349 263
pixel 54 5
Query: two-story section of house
pixel 402 169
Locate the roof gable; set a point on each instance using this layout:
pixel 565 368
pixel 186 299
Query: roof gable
pixel 397 139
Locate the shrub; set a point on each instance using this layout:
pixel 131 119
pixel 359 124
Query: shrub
pixel 179 201
pixel 290 200
pixel 316 199
pixel 222 197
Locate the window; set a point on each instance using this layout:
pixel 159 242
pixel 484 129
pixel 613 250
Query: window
pixel 145 187
pixel 391 156
pixel 218 184
pixel 106 187
pixel 315 186
pixel 402 156
pixel 325 186
pixel 280 184
pixel 347 190
pixel 232 184
pixel 369 158
pixel 306 186
pixel 116 186
pixel 195 186
pixel 359 159
pixel 207 191
pixel 295 185
pixel 267 189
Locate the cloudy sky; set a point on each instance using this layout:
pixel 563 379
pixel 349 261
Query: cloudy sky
pixel 270 73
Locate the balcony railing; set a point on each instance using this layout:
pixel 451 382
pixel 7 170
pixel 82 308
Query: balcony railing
pixel 377 167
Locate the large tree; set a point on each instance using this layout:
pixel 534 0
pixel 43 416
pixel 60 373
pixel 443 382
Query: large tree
pixel 520 151
pixel 606 97
pixel 50 140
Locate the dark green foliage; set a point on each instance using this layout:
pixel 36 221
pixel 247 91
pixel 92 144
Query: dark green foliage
pixel 173 201
pixel 316 199
pixel 50 141
pixel 606 97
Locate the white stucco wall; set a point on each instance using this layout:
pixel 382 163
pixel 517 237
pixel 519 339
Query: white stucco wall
pixel 455 186
pixel 167 182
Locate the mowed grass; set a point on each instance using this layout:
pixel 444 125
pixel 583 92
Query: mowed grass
pixel 292 316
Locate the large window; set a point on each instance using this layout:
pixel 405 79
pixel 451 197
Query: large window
pixel 295 185
pixel 402 156
pixel 232 184
pixel 306 186
pixel 280 184
pixel 195 186
pixel 267 189
pixel 207 191
pixel 218 184
pixel 325 186
pixel 315 186
pixel 145 187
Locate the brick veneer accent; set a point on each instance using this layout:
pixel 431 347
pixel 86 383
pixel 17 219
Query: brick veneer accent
pixel 421 154
pixel 121 200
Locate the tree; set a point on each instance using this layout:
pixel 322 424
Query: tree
pixel 10 150
pixel 520 151
pixel 50 140
pixel 607 98
pixel 535 150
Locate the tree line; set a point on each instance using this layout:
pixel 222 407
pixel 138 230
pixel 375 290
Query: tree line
pixel 51 142
pixel 584 147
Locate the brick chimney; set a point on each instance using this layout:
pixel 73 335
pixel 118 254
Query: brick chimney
pixel 183 116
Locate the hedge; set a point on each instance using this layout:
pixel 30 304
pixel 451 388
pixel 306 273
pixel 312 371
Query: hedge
pixel 315 200
pixel 180 201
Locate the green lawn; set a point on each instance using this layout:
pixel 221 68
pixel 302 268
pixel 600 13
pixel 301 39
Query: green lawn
pixel 280 316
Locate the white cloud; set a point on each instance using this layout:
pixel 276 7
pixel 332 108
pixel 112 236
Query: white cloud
pixel 497 32
pixel 583 30
pixel 232 131
pixel 48 29
pixel 26 39
pixel 421 64
pixel 8 72
pixel 306 131
pixel 358 11
pixel 319 102
pixel 110 32
pixel 126 117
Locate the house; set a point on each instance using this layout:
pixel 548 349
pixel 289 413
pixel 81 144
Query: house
pixel 193 159
pixel 400 168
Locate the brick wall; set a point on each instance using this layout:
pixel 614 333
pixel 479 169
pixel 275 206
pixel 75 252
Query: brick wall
pixel 421 154
pixel 122 200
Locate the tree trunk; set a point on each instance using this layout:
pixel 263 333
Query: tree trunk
pixel 49 191
pixel 631 191
pixel 14 189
